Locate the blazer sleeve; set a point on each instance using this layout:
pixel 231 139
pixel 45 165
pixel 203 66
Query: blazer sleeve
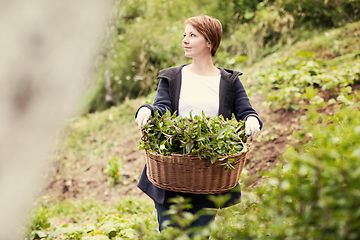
pixel 242 105
pixel 162 101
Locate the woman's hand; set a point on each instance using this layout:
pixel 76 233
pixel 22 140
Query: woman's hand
pixel 252 126
pixel 143 115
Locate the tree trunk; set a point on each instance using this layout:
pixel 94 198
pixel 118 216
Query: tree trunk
pixel 47 49
pixel 109 94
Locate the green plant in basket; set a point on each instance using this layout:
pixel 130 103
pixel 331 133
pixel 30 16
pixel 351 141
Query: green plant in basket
pixel 197 135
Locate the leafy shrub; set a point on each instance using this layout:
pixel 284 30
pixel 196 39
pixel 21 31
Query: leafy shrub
pixel 37 220
pixel 321 13
pixel 257 37
pixel 290 81
pixel 113 169
pixel 198 135
pixel 314 192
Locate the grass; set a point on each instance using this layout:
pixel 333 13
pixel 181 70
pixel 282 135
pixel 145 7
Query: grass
pixel 336 45
pixel 95 133
pixel 68 219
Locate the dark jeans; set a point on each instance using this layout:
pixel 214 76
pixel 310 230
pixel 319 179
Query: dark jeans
pixel 203 220
pixel 199 202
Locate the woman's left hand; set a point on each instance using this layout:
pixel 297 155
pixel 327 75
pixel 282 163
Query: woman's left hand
pixel 252 126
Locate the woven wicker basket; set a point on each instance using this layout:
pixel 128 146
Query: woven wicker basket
pixel 189 174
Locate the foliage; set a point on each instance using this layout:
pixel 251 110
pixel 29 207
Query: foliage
pixel 314 192
pixel 113 169
pixel 322 13
pixel 36 221
pixel 146 36
pixel 94 220
pixel 198 135
pixel 141 45
pixel 259 37
pixel 291 80
pixel 178 226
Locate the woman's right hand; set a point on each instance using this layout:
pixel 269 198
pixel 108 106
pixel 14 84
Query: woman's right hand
pixel 143 115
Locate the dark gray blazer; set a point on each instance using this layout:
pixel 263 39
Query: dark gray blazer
pixel 232 100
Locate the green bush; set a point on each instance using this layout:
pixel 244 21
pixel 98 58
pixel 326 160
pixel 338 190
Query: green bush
pixel 37 220
pixel 314 192
pixel 321 13
pixel 113 169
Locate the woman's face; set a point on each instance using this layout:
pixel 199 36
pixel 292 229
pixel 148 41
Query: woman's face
pixel 195 45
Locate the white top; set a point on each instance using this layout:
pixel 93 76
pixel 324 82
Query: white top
pixel 198 93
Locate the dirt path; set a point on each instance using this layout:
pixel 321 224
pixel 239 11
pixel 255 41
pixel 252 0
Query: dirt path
pixel 275 136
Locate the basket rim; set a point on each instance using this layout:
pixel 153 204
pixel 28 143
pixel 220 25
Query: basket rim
pixel 197 156
pixel 248 143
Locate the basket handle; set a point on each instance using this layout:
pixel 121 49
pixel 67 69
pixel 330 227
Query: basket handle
pixel 248 142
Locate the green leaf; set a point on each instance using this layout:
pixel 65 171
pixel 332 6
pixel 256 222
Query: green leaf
pixel 188 147
pixel 213 159
pixel 37 235
pixel 200 139
pixel 97 237
pixel 248 14
pixel 220 134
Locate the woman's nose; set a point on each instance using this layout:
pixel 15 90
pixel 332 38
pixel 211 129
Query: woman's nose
pixel 185 40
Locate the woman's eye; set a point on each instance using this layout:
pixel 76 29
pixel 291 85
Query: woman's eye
pixel 191 35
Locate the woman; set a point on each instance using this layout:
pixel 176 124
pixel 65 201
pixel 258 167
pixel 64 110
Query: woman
pixel 197 87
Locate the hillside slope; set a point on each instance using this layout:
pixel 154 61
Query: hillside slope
pixel 88 143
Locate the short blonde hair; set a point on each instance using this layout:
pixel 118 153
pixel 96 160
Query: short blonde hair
pixel 210 28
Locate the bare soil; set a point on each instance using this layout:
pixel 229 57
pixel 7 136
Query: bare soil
pixel 90 181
